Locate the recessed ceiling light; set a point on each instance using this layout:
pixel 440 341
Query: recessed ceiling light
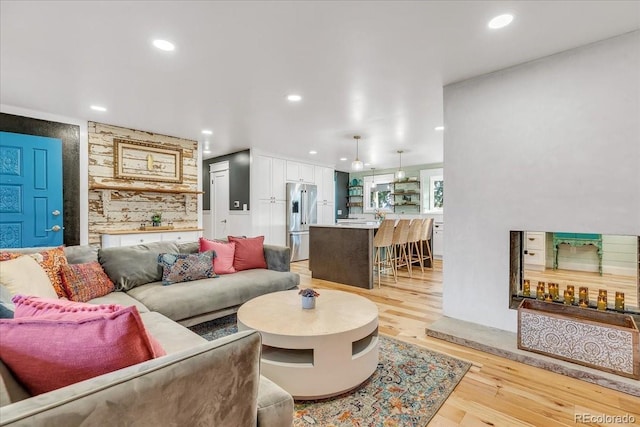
pixel 207 132
pixel 98 108
pixel 438 128
pixel 294 97
pixel 313 152
pixel 500 21
pixel 164 45
pixel 207 151
pixel 343 159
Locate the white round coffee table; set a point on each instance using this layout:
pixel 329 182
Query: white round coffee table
pixel 319 352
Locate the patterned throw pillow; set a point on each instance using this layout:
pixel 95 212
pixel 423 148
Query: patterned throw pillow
pixel 178 268
pixel 83 282
pixel 6 256
pixel 51 262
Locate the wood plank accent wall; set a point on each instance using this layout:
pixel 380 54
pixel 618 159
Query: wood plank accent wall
pixel 117 210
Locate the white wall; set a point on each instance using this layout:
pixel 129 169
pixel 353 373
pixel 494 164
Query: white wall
pixel 552 145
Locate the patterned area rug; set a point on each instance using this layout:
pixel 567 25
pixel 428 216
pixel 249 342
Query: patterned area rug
pixel 407 389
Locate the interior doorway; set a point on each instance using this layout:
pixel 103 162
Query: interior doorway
pixel 219 199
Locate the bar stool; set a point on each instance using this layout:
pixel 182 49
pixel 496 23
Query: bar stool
pixel 427 232
pixel 414 243
pixel 400 241
pixel 383 246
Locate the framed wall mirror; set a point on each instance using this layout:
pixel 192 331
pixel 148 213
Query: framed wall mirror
pixel 582 260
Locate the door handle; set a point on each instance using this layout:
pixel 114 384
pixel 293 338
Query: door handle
pixel 224 220
pixel 54 228
pixel 55 213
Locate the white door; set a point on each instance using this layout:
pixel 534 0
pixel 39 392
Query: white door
pixel 219 203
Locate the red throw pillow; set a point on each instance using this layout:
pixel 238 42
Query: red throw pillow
pixel 53 350
pixel 225 252
pixel 249 253
pixel 83 282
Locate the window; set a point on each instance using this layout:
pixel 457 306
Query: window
pixel 436 193
pixel 432 184
pixel 379 197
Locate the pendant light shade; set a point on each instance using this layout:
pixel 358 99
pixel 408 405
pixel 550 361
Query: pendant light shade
pixel 400 174
pixel 373 179
pixel 357 165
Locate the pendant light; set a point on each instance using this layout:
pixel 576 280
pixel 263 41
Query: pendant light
pixel 373 179
pixel 357 165
pixel 400 174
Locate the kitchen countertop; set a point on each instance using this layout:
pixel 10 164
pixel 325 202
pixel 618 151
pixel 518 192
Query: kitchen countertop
pixel 370 225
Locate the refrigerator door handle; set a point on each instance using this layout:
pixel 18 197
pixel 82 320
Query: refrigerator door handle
pixel 303 201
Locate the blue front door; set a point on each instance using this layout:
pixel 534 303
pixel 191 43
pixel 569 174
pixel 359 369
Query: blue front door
pixel 30 191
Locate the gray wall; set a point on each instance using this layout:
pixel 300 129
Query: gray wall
pixel 239 178
pixel 551 145
pixel 341 183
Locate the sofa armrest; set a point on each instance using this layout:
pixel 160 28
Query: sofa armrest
pixel 215 383
pixel 278 257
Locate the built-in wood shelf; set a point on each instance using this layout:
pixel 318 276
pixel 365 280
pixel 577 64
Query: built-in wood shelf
pixel 151 229
pixel 142 189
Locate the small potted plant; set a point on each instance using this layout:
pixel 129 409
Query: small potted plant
pixel 156 219
pixel 308 298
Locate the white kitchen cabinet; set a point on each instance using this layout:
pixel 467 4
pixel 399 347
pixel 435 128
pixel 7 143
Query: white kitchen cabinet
pixel 129 238
pixel 326 213
pixel 271 221
pixel 325 183
pixel 438 240
pixel 534 250
pixel 269 178
pixel 300 172
pixel 270 198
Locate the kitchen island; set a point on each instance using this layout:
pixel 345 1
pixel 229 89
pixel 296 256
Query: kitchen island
pixel 343 253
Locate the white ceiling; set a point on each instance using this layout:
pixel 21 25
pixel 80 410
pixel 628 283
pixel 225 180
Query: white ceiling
pixel 374 68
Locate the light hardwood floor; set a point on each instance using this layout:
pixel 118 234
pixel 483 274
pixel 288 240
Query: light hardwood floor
pixel 495 391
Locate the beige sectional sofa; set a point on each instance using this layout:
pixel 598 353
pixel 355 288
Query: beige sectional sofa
pixel 198 382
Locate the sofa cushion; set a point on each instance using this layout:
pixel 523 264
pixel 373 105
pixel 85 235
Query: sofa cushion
pixel 249 253
pixel 208 295
pixel 23 275
pixel 83 282
pixel 189 247
pixel 10 389
pixel 120 298
pixel 178 268
pixel 172 336
pixel 131 266
pixel 275 406
pixel 81 254
pixel 46 354
pixel 223 263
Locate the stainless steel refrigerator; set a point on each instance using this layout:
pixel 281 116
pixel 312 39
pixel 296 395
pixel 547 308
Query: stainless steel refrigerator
pixel 301 212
